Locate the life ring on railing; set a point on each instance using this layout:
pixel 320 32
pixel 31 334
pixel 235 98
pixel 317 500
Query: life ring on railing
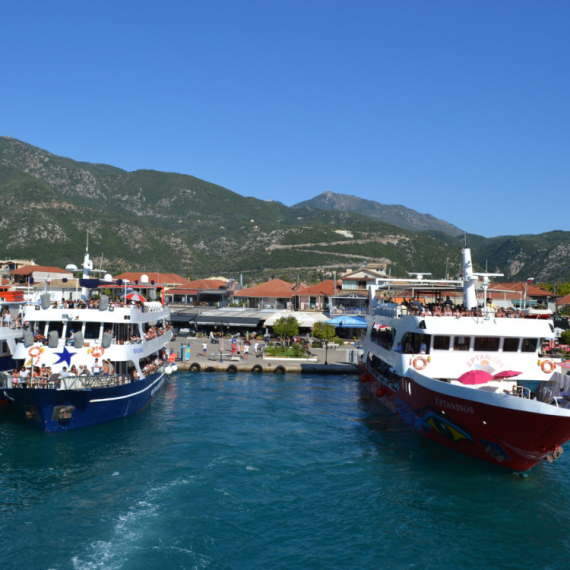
pixel 547 366
pixel 97 351
pixel 420 362
pixel 35 351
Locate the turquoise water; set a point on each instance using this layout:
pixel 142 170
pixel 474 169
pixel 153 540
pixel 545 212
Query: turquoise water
pixel 268 472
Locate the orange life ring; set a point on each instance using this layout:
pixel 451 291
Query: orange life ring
pixel 547 366
pixel 97 351
pixel 35 351
pixel 420 362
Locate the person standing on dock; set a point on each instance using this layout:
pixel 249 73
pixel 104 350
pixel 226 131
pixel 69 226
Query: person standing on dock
pixel 205 349
pixel 256 349
pixel 246 350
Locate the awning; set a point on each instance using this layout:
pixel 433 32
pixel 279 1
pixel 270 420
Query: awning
pixel 303 319
pixel 348 322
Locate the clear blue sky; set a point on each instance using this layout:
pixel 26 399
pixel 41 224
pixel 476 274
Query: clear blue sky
pixel 454 108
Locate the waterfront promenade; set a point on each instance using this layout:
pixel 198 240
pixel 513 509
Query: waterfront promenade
pixel 338 359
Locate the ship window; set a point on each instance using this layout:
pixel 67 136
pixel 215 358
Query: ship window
pixel 56 326
pixel 510 345
pixel 92 330
pixel 441 342
pixel 529 344
pixel 487 343
pixel 462 343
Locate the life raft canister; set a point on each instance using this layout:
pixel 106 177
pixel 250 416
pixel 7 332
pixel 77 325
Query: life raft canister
pixel 547 366
pixel 420 362
pixel 364 378
pixel 379 393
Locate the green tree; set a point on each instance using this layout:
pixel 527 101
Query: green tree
pixel 286 327
pixel 324 331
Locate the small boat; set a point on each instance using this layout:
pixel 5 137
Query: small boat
pixel 467 379
pixel 88 362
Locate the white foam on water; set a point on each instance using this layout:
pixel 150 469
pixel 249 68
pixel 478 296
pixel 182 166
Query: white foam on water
pixel 250 468
pixel 127 532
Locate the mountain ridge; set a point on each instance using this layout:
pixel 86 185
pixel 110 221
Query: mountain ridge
pixel 153 220
pixel 394 214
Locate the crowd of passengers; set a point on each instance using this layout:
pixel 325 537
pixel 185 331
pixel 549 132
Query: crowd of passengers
pixel 94 304
pixel 8 320
pixel 448 309
pixel 42 376
pixel 150 334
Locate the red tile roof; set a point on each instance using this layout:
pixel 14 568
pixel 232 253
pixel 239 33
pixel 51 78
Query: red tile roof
pixel 29 269
pixel 182 291
pixel 532 290
pixel 563 301
pixel 206 284
pixel 158 278
pixel 323 288
pixel 274 289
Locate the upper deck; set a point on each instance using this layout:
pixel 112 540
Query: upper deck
pixel 477 323
pixel 114 313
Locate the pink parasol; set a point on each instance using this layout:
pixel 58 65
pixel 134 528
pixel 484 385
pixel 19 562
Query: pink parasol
pixel 506 374
pixel 475 377
pixel 134 296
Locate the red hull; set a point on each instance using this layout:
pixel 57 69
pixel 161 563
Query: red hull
pixel 511 438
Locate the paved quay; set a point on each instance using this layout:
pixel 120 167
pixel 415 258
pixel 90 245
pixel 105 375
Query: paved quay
pixel 338 360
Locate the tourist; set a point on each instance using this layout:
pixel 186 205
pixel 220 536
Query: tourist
pixel 205 349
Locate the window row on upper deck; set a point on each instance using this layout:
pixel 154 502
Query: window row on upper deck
pixel 412 343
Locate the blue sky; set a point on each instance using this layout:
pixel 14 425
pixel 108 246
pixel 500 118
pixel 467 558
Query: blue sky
pixel 456 109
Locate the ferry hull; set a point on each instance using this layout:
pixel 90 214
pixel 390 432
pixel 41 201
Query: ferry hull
pixel 510 438
pixel 53 410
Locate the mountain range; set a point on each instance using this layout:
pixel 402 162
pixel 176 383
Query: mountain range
pixel 158 221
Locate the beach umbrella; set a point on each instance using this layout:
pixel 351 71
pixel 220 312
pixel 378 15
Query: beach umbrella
pixel 475 377
pixel 134 296
pixel 506 374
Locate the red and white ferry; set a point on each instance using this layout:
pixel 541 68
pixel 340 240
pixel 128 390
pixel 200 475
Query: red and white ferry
pixel 467 381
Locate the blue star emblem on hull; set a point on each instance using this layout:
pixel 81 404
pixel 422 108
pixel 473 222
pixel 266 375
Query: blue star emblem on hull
pixel 65 356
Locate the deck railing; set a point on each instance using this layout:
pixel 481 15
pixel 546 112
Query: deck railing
pixel 87 382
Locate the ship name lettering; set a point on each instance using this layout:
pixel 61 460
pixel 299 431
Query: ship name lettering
pixel 452 406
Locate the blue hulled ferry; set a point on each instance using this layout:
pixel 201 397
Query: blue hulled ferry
pixel 85 362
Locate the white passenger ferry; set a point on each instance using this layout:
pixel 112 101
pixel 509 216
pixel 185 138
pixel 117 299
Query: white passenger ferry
pixel 472 380
pixel 84 363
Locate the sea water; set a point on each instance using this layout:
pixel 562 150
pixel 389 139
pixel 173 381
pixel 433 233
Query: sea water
pixel 264 471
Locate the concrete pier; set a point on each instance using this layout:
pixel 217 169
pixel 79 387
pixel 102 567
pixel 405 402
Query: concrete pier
pixel 267 367
pixel 337 361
